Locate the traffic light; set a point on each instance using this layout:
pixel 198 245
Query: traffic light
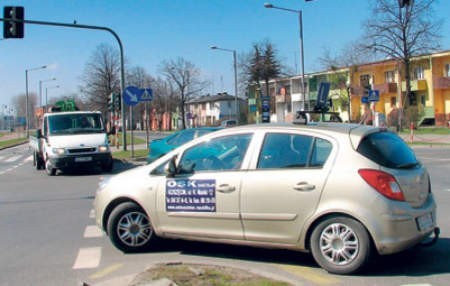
pixel 117 102
pixel 13 29
pixel 111 102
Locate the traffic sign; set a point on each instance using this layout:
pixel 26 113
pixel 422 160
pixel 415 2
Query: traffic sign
pixel 131 95
pixel 146 95
pixel 374 95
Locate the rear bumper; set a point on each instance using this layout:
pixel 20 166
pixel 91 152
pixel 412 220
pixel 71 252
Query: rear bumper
pixel 73 161
pixel 402 230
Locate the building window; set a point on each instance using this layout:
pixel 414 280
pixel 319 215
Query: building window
pixel 447 70
pixel 389 76
pixel 418 73
pixel 364 80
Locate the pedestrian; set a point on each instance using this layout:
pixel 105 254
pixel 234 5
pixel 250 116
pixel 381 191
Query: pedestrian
pixel 366 118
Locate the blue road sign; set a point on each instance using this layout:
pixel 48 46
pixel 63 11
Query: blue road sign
pixel 131 95
pixel 374 95
pixel 146 95
pixel 364 99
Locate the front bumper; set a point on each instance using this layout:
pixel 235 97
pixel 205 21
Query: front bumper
pixel 74 161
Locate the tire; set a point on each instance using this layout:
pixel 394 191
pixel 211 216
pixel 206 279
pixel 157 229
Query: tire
pixel 108 167
pixel 49 168
pixel 130 229
pixel 341 245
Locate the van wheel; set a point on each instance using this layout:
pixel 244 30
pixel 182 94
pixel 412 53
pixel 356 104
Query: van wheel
pixel 129 228
pixel 49 168
pixel 341 245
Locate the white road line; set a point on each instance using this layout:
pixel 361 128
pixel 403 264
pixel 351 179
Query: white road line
pixel 92 214
pixel 13 158
pixel 29 158
pixel 92 231
pixel 88 258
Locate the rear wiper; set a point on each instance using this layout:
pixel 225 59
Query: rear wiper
pixel 408 165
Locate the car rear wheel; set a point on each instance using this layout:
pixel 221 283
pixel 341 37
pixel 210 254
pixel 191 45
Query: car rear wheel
pixel 340 245
pixel 129 228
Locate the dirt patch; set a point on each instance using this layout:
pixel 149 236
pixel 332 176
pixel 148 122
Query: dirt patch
pixel 202 275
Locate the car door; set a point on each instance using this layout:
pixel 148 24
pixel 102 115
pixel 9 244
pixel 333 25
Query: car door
pixel 285 187
pixel 203 201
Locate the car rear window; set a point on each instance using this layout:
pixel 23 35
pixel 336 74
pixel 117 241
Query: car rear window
pixel 387 149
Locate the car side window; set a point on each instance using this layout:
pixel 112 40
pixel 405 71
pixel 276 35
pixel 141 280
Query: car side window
pixel 321 151
pixel 283 150
pixel 223 153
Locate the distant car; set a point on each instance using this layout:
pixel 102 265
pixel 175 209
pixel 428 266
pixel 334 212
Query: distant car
pixel 340 191
pixel 228 123
pixel 159 147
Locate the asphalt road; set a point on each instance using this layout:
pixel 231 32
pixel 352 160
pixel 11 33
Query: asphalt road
pixel 48 237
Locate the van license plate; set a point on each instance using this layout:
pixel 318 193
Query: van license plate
pixel 425 221
pixel 83 159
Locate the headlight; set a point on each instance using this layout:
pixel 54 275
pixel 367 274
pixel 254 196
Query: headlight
pixel 58 151
pixel 103 148
pixel 104 181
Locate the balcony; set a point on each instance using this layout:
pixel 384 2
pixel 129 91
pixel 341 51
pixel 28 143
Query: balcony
pixel 416 85
pixel 441 82
pixel 388 87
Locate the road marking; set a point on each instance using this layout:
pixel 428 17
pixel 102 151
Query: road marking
pixel 13 158
pixel 92 231
pixel 88 258
pixel 426 284
pixel 92 214
pixel 310 274
pixel 106 271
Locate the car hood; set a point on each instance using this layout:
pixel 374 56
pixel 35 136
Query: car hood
pixel 79 140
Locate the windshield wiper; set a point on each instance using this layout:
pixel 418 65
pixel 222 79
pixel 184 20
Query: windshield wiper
pixel 408 165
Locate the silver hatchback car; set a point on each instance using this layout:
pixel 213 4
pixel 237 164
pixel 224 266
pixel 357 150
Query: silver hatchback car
pixel 336 190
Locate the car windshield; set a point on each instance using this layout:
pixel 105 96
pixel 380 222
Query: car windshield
pixel 76 123
pixel 387 149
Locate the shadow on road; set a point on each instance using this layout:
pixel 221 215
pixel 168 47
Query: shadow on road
pixel 416 262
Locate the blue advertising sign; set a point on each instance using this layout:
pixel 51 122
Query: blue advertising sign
pixel 374 95
pixel 183 195
pixel 131 95
pixel 146 95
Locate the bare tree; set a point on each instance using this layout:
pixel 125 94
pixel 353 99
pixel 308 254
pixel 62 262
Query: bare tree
pixel 19 104
pixel 403 31
pixel 101 77
pixel 185 76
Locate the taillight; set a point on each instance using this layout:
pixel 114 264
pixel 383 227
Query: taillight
pixel 383 183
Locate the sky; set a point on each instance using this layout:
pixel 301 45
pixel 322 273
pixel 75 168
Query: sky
pixel 152 31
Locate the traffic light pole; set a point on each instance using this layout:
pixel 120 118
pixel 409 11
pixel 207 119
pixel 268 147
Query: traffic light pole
pixel 122 66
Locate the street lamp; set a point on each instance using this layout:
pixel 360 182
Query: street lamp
pixel 299 12
pixel 40 88
pixel 46 94
pixel 27 126
pixel 236 106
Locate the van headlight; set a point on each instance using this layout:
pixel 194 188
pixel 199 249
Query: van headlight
pixel 103 148
pixel 58 151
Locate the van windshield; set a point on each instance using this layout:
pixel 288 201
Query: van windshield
pixel 78 123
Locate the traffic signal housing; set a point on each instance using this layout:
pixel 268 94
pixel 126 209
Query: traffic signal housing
pixel 111 102
pixel 14 26
pixel 117 102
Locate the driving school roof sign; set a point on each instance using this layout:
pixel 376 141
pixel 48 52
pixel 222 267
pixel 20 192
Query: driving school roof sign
pixel 133 95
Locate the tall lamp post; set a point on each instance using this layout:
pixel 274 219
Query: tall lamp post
pixel 299 12
pixel 40 88
pixel 27 126
pixel 236 106
pixel 46 94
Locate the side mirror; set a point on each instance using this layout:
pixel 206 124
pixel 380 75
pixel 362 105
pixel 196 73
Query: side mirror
pixel 171 167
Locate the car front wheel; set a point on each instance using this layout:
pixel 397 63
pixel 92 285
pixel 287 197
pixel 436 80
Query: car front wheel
pixel 129 228
pixel 340 245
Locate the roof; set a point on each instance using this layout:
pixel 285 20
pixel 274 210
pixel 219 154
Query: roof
pixel 218 97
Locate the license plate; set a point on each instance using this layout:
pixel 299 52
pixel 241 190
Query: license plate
pixel 83 159
pixel 425 222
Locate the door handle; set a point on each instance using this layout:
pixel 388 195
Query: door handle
pixel 304 187
pixel 225 188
